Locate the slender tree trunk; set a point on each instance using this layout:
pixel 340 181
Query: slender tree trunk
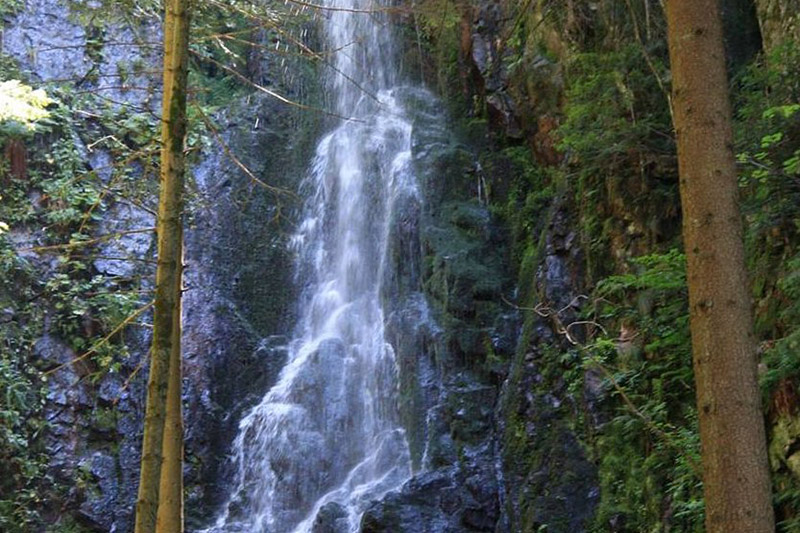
pixel 735 472
pixel 170 501
pixel 160 497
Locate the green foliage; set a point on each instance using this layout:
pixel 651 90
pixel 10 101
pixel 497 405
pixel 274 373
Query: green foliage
pixel 22 104
pixel 614 106
pixel 617 139
pixel 768 144
pixel 648 450
pixel 437 34
pixel 57 203
pixel 9 7
pixel 620 181
pixel 56 207
pixel 22 393
pixel 22 461
pixel 616 134
pixel 658 272
pixel 528 198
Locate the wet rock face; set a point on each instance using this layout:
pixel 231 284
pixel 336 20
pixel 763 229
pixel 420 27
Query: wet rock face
pixel 460 490
pixel 444 337
pixel 94 428
pixel 124 218
pixel 50 43
pixel 332 518
pixel 497 450
pixel 62 45
pixel 238 308
pixel 234 321
pixel 447 500
pixel 548 479
pixel 92 438
pixel 58 41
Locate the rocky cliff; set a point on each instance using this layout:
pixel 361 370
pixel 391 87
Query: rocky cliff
pixel 104 63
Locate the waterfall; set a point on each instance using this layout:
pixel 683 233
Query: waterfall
pixel 326 439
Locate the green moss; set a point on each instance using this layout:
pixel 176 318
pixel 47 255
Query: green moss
pixel 104 419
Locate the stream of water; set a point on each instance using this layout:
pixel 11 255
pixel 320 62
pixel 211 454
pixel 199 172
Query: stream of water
pixel 326 439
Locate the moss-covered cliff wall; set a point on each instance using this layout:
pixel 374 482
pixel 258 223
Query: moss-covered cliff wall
pixel 566 105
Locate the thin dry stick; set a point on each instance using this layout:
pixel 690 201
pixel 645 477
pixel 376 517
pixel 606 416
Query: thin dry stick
pixel 128 380
pixel 104 190
pixel 77 244
pixel 119 258
pixel 124 200
pixel 302 46
pixel 236 161
pixel 127 291
pixel 351 10
pixel 104 340
pixel 647 57
pixel 105 44
pixel 540 309
pixel 134 107
pixel 272 93
pixel 115 75
pixel 315 55
pixel 582 323
pixel 123 88
pixel 573 303
pixel 231 35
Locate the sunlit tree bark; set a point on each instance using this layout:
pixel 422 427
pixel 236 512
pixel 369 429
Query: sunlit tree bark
pixel 160 499
pixel 733 444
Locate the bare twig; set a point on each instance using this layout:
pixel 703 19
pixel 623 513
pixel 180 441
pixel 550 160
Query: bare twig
pixel 236 160
pixel 263 89
pixel 371 11
pixel 648 59
pixel 128 380
pixel 77 244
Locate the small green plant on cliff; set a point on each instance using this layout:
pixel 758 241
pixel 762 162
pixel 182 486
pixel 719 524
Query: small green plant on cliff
pixel 22 392
pixel 22 104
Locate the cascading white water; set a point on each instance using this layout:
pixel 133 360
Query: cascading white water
pixel 327 435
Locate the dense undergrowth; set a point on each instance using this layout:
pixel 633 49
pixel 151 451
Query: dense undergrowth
pixel 50 284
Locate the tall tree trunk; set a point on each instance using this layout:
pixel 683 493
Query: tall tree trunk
pixel 160 497
pixel 170 500
pixel 735 472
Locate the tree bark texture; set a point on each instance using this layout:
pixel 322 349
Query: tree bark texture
pixel 160 498
pixel 733 443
